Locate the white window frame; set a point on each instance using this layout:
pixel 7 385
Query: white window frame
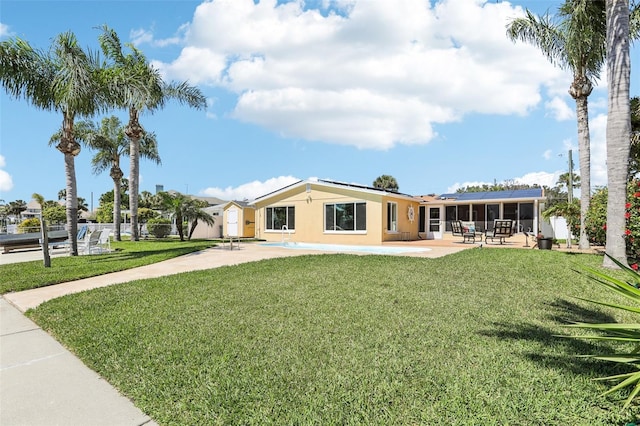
pixel 355 220
pixel 287 213
pixel 392 216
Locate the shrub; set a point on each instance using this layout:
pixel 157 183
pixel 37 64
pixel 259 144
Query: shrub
pixel 29 225
pixel 596 219
pixel 159 227
pixel 632 231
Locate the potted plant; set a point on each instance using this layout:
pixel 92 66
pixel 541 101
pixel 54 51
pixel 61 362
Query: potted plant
pixel 544 243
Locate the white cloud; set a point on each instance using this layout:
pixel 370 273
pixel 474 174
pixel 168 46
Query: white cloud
pixel 547 154
pixel 6 181
pixel 539 178
pixel 559 109
pixel 4 30
pixel 598 131
pixel 142 36
pixel 250 191
pixel 372 74
pixel 532 178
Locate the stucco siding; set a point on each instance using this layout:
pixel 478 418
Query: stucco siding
pixel 310 202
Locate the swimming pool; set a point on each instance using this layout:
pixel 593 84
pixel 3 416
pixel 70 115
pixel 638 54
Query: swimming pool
pixel 347 248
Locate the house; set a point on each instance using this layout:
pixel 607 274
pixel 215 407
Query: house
pixel 522 205
pixel 324 211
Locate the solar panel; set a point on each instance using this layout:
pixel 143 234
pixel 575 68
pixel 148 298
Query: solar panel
pixel 494 195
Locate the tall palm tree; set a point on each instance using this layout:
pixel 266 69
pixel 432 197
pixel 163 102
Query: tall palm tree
pixel 139 87
pixel 575 42
pixel 111 142
pixel 64 79
pixel 618 127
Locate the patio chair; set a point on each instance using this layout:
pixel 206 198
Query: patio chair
pixel 466 230
pixel 502 229
pixel 90 243
pixel 104 242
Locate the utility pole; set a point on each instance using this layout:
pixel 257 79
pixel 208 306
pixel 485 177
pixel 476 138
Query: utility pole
pixel 570 196
pixel 570 188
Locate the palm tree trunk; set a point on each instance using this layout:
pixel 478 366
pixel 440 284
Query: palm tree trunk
pixel 618 127
pixel 134 132
pixel 584 147
pixel 72 202
pixel 117 200
pixel 70 148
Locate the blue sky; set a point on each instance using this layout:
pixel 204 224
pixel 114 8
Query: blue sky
pixel 431 93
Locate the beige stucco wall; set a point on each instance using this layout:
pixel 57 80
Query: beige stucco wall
pixel 206 231
pixel 309 216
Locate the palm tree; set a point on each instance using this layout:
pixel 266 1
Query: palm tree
pixel 618 128
pixel 138 87
pixel 16 207
pixel 194 214
pixel 64 79
pixel 386 182
pixel 577 43
pixel 111 142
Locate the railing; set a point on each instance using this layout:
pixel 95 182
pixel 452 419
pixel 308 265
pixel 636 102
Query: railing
pixel 285 228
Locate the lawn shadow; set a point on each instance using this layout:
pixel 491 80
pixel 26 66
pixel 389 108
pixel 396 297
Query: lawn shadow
pixel 558 349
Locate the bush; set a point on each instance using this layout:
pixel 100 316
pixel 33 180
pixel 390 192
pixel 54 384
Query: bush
pixel 596 220
pixel 632 232
pixel 29 225
pixel 159 227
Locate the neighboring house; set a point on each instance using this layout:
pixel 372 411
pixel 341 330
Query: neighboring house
pixel 521 205
pixel 239 220
pixel 323 211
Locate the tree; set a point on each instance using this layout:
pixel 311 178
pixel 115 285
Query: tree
pixel 16 207
pixel 53 212
pixel 43 231
pixel 66 80
pixel 577 43
pixel 138 87
pixel 618 128
pixel 386 182
pixel 111 142
pixel 195 214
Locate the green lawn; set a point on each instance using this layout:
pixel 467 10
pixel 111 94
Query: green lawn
pixel 343 339
pixel 125 255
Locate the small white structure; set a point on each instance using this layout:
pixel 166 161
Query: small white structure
pixel 206 231
pixel 239 220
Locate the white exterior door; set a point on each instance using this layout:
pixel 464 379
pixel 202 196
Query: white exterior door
pixel 232 222
pixel 434 230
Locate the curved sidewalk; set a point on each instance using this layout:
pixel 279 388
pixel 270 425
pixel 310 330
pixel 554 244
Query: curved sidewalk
pixel 42 383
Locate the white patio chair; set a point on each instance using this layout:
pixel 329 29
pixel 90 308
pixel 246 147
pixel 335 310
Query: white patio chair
pixel 90 243
pixel 104 242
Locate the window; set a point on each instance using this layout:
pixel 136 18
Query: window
pixel 392 216
pixel 277 217
pixel 434 219
pixel 345 217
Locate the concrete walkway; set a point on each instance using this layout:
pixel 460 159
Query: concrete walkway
pixel 42 383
